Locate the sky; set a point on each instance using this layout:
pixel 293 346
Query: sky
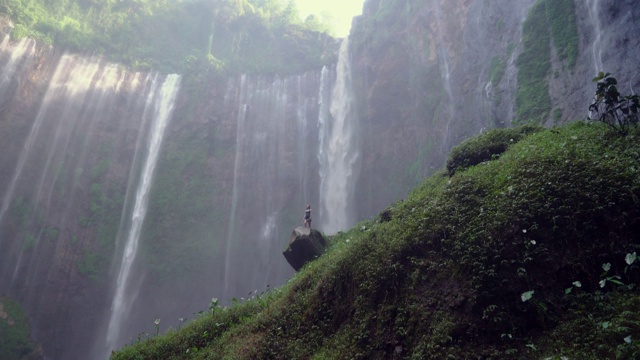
pixel 342 10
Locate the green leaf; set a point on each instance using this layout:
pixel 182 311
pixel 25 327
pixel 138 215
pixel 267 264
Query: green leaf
pixel 605 324
pixel 527 295
pixel 618 282
pixel 606 267
pixel 631 258
pixel 628 339
pixel 568 290
pixel 577 284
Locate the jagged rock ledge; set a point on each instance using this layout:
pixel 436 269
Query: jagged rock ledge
pixel 305 245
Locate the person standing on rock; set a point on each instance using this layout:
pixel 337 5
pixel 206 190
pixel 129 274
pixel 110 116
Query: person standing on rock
pixel 307 216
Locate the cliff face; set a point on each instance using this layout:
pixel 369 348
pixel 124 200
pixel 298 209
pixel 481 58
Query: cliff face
pixel 430 74
pixel 242 156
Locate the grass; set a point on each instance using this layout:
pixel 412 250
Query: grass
pixel 443 272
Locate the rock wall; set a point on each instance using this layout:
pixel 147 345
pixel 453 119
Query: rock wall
pixel 429 74
pixel 240 152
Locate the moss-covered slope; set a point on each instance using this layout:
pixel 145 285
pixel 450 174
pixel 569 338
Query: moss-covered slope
pixel 523 256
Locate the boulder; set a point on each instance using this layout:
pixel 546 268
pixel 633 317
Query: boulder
pixel 305 245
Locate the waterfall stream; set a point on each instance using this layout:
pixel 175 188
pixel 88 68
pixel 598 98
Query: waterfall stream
pixel 596 47
pixel 159 107
pixel 272 176
pixel 338 153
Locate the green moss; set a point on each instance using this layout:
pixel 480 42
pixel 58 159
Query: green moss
pixel 533 102
pixel 92 265
pixel 486 146
pixel 496 70
pixel 547 20
pixel 15 340
pixel 564 30
pixel 183 185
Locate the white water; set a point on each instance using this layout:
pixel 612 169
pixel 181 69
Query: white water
pixel 274 176
pixel 24 47
pixel 83 101
pixel 160 105
pixel 231 236
pixel 56 88
pixel 19 53
pixel 597 46
pixel 338 152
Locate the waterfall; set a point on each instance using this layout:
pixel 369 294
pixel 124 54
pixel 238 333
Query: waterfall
pixel 596 47
pixel 273 176
pixel 159 107
pixel 240 121
pixel 77 95
pixel 338 152
pixel 17 55
pixel 22 50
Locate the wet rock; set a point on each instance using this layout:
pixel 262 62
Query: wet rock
pixel 305 246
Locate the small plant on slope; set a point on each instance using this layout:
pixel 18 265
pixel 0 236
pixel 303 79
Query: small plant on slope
pixel 610 107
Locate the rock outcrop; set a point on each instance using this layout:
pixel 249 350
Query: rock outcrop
pixel 305 245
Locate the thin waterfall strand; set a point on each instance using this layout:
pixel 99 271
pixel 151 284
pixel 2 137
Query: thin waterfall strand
pixel 163 107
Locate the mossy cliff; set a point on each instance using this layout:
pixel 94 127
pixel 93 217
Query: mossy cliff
pixel 527 255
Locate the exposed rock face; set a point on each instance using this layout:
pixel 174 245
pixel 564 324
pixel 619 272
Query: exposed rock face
pixel 431 73
pixel 305 245
pixel 426 74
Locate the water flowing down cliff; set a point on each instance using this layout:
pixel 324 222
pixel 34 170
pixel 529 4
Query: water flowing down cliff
pixel 63 197
pixel 158 110
pixel 104 228
pixel 274 175
pixel 338 154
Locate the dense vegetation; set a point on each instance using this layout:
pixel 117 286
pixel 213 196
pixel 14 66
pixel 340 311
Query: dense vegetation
pixel 550 22
pixel 530 254
pixel 185 36
pixel 15 341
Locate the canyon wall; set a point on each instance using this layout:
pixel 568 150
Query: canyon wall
pixel 241 156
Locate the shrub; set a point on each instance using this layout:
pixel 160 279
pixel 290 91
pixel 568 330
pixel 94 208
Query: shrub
pixel 486 146
pixel 610 107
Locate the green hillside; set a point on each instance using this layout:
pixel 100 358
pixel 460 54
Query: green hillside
pixel 530 254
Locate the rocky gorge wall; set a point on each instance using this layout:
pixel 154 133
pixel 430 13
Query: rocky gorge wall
pixel 243 155
pixel 429 74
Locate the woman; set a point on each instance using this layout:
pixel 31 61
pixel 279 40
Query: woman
pixel 307 216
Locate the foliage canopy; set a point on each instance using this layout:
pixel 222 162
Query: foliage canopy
pixel 186 36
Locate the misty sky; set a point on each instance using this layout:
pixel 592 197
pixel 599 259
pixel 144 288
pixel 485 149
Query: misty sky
pixel 342 10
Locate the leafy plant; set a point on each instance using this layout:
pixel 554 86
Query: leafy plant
pixel 615 279
pixel 610 107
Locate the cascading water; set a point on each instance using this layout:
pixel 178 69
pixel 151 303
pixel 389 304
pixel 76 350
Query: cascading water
pixel 159 107
pixel 596 48
pixel 338 152
pixel 273 176
pixel 71 155
pixel 240 121
pixel 85 91
pixel 17 55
